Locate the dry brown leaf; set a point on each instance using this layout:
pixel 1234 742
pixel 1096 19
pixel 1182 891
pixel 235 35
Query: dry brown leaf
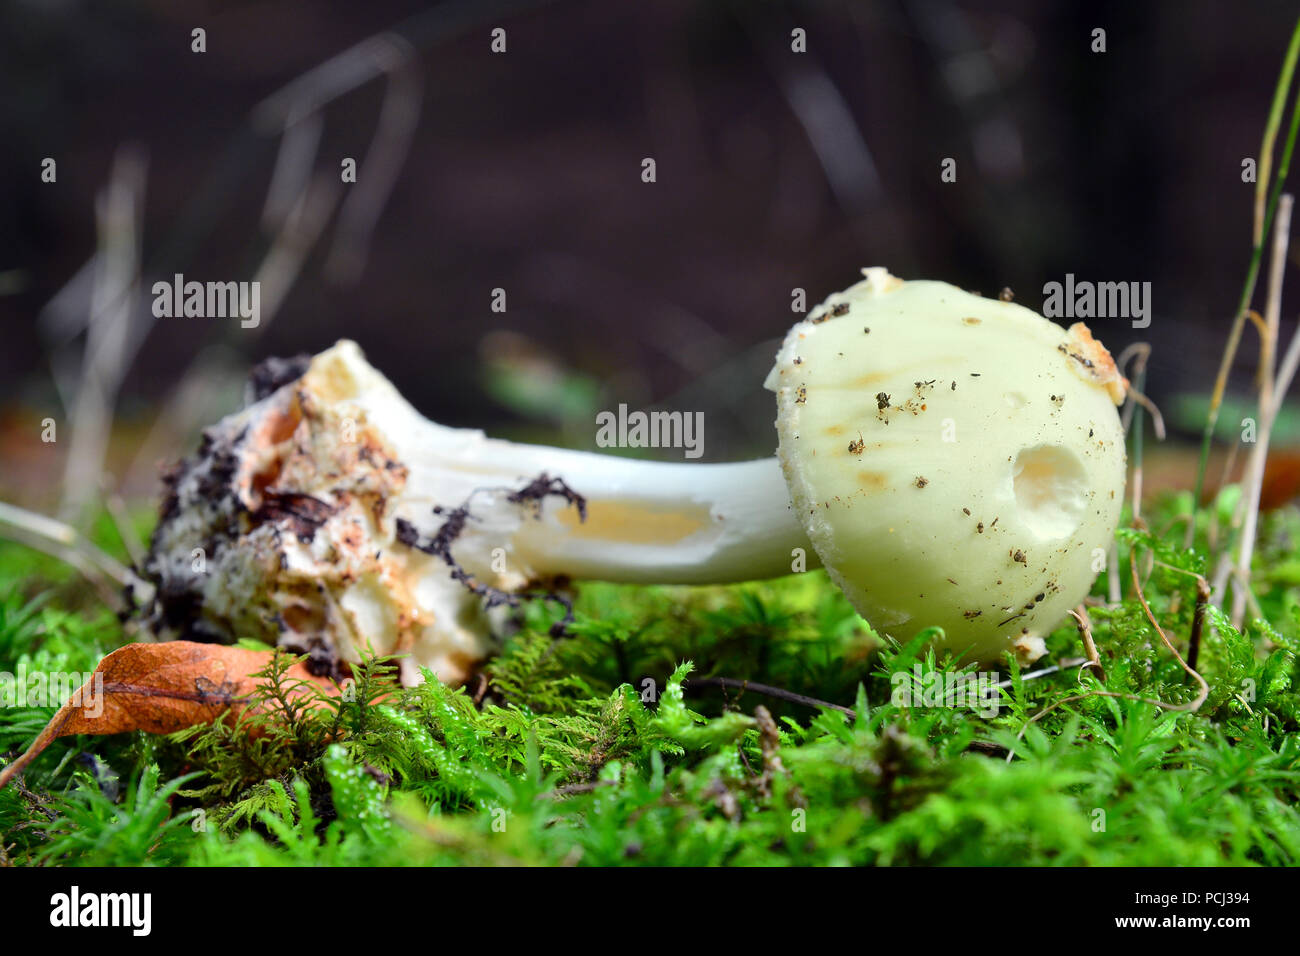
pixel 161 688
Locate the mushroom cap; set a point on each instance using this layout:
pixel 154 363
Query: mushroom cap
pixel 956 461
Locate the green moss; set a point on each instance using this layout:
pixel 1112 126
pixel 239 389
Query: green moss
pixel 596 748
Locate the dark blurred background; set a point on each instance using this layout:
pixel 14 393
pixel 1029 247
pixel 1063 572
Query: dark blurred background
pixel 522 171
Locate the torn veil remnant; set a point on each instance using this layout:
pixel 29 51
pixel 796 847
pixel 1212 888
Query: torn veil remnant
pixel 309 520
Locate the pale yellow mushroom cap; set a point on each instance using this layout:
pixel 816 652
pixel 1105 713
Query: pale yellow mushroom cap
pixel 956 461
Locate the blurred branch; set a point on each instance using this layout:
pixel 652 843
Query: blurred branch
pixel 294 109
pixel 827 120
pixel 302 227
pixel 107 355
pixel 839 144
pixel 293 166
pixel 398 118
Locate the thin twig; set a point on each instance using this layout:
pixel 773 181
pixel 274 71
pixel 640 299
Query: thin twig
pixel 1203 594
pixel 573 789
pixel 1198 621
pixel 1081 619
pixel 1136 408
pixel 1224 567
pixel 1191 706
pixel 769 691
pixel 1066 664
pixel 1212 534
pixel 1194 705
pixel 1138 353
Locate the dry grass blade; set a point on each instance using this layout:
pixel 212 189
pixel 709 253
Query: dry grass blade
pixel 65 543
pixel 108 350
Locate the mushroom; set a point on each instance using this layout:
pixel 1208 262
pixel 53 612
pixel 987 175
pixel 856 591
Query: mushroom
pixel 321 516
pixel 329 515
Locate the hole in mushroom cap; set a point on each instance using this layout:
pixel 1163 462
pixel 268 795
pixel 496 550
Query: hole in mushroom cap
pixel 1014 399
pixel 1051 490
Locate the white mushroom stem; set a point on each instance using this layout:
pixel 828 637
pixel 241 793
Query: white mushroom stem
pixel 651 522
pixel 646 521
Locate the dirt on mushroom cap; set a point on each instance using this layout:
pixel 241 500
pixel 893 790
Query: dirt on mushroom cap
pixel 1018 463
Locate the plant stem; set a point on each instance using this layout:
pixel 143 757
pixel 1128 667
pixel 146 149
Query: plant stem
pixel 1255 470
pixel 1260 230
